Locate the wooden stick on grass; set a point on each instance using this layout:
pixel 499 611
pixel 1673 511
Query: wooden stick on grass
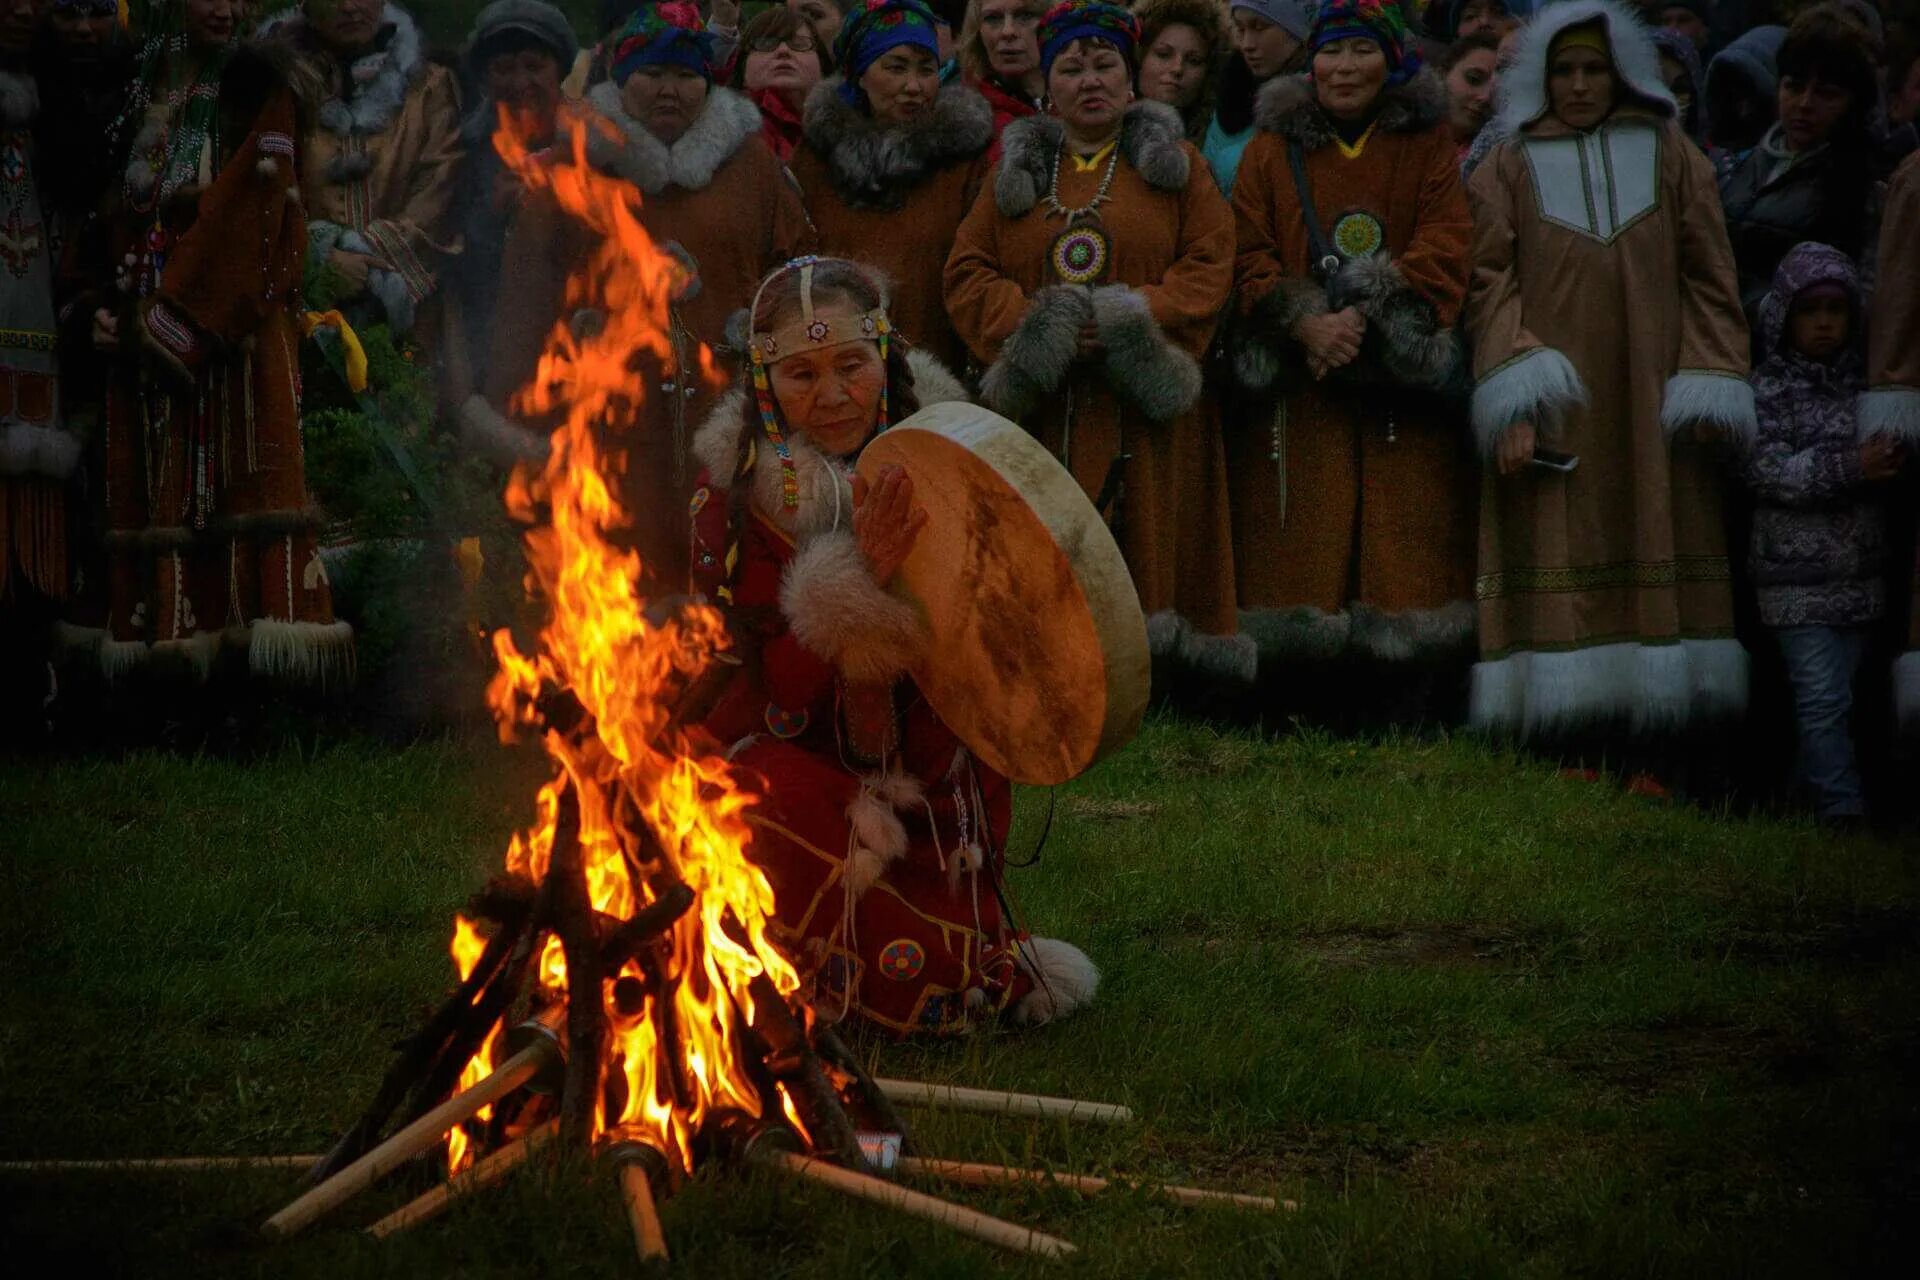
pixel 999 1175
pixel 184 1164
pixel 483 1173
pixel 957 1098
pixel 916 1204
pixel 648 1236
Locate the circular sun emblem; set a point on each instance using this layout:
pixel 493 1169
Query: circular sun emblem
pixel 902 959
pixel 818 331
pixel 1357 235
pixel 1080 255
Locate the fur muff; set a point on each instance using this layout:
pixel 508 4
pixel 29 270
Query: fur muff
pixel 876 166
pixel 1636 61
pixel 377 82
pixel 630 152
pixel 38 449
pixel 1414 347
pixel 1259 339
pixel 1720 402
pixel 1152 140
pixel 496 437
pixel 1064 981
pixel 879 837
pixel 1537 386
pixel 1035 358
pixel 1891 411
pixel 1287 106
pixel 1162 380
pixel 836 609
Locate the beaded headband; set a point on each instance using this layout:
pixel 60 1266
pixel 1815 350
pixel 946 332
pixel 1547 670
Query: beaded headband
pixel 811 332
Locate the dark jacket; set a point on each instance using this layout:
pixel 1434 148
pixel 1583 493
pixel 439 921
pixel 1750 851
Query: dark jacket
pixel 1822 197
pixel 1819 538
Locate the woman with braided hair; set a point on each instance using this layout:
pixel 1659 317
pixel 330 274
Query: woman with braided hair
pixel 882 835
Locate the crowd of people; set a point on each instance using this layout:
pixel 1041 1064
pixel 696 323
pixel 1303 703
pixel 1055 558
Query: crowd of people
pixel 1567 356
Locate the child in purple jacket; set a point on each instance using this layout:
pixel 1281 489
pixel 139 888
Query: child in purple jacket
pixel 1819 530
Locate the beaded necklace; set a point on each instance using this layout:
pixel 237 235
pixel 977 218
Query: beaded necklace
pixel 1056 209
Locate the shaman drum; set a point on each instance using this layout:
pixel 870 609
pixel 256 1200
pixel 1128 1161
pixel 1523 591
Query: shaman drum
pixel 1039 654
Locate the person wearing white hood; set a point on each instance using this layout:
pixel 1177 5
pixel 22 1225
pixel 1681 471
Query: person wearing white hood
pixel 1607 328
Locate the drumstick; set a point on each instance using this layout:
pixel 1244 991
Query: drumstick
pixel 996 1102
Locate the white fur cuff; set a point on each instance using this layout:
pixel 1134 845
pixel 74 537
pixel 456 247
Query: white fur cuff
pixel 1535 387
pixel 1891 411
pixel 1704 398
pixel 838 611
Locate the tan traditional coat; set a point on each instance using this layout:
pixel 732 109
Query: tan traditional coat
pixel 1354 496
pixel 1138 405
pixel 1604 309
pixel 716 196
pixel 893 197
pixel 381 155
pixel 1891 404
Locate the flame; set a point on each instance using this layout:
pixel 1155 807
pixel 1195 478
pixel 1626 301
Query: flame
pixel 652 803
pixel 466 949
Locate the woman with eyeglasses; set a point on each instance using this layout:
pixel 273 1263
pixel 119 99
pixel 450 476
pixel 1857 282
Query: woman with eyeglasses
pixel 1000 56
pixel 779 62
pixel 892 160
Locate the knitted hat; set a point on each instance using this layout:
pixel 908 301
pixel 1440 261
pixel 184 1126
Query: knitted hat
pixel 1295 17
pixel 1382 21
pixel 663 34
pixel 1086 20
pixel 872 27
pixel 532 18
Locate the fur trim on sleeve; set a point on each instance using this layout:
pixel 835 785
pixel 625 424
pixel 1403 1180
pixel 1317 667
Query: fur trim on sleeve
pixel 1064 980
pixel 1536 386
pixel 1414 347
pixel 838 611
pixel 1037 355
pixel 1891 411
pixel 500 439
pixel 1144 365
pixel 1703 397
pixel 1261 337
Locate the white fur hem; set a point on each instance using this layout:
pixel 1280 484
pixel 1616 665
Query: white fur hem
pixel 1536 387
pixel 838 611
pixel 1650 687
pixel 1702 398
pixel 317 655
pixel 1891 411
pixel 1064 981
pixel 1906 691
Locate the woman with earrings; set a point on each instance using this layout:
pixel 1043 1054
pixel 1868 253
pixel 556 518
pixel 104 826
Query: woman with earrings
pixel 893 160
pixel 882 837
pixel 1087 281
pixel 1353 508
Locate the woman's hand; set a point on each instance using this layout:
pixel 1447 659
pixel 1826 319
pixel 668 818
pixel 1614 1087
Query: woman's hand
pixel 352 268
pixel 106 330
pixel 1516 448
pixel 1091 343
pixel 1880 459
pixel 1332 340
pixel 885 521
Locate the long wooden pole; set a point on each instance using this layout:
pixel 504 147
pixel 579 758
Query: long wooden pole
pixel 184 1164
pixel 483 1173
pixel 997 1175
pixel 649 1238
pixel 958 1098
pixel 410 1141
pixel 916 1204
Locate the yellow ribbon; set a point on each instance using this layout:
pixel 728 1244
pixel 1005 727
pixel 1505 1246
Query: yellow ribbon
pixel 355 354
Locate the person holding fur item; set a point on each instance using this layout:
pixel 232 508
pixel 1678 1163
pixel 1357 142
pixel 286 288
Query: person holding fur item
pixel 211 542
pixel 1087 280
pixel 380 152
pixel 1352 502
pixel 710 191
pixel 883 837
pixel 892 160
pixel 1605 318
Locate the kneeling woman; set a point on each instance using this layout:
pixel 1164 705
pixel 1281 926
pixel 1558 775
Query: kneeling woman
pixel 881 834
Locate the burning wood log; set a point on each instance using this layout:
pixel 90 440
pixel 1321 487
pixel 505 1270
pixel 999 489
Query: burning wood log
pixel 955 1097
pixel 484 1173
pixel 586 1021
pixel 998 1175
pixel 642 1166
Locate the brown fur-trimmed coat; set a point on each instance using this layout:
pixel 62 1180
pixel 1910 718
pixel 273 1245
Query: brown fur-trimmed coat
pixel 1353 502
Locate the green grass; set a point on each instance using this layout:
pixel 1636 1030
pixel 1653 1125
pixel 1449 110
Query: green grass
pixel 1477 1019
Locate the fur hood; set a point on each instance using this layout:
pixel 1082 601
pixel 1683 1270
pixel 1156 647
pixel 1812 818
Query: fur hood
pixel 19 99
pixel 1152 139
pixel 826 494
pixel 1287 106
pixel 875 166
pixel 377 83
pixel 723 127
pixel 1523 85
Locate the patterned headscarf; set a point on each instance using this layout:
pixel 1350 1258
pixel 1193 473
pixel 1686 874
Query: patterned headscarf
pixel 1382 21
pixel 663 34
pixel 1086 20
pixel 871 28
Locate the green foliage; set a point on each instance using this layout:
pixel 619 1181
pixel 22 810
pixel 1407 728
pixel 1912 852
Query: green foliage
pixel 1476 1018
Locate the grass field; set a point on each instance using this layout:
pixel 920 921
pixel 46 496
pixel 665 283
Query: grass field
pixel 1477 1019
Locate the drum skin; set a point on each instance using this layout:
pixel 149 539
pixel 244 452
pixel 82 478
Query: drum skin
pixel 1038 660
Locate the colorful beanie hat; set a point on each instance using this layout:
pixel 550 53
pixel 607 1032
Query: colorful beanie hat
pixel 660 35
pixel 1086 20
pixel 871 28
pixel 1382 21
